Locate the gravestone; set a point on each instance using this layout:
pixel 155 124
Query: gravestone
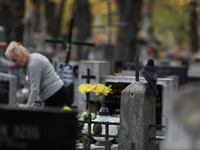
pixel 8 89
pixel 69 75
pixel 31 129
pixel 166 87
pixel 162 70
pixel 194 71
pixel 181 71
pixel 137 112
pixel 184 119
pixel 96 70
pixel 112 101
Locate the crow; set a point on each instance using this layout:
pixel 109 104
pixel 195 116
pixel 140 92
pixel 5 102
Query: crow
pixel 150 74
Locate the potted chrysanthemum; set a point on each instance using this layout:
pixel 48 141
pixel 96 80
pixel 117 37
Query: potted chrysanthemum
pixel 99 90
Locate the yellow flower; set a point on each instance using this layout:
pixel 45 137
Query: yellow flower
pixel 84 88
pixel 96 88
pixel 66 108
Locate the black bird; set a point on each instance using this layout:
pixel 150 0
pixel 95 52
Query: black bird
pixel 150 74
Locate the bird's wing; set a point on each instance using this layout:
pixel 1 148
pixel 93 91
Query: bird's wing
pixel 150 75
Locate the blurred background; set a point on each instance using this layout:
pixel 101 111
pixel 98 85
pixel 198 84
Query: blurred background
pixel 166 30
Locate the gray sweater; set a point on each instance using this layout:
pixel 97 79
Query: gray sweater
pixel 44 81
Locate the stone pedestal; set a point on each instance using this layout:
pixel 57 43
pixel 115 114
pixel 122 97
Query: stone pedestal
pixel 136 113
pixel 168 86
pixel 8 89
pixel 96 69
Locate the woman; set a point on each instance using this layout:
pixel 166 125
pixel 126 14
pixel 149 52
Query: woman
pixel 44 81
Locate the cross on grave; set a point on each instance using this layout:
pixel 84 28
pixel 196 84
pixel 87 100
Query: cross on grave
pixel 69 41
pixel 88 77
pixel 66 70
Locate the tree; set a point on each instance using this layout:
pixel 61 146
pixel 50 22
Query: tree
pixel 193 27
pixel 179 17
pixel 129 12
pixel 82 22
pixel 11 15
pixel 54 15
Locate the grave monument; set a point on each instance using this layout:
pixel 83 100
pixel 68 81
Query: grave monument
pixel 8 89
pixel 31 129
pixel 137 112
pixel 65 71
pixel 90 72
pixel 166 87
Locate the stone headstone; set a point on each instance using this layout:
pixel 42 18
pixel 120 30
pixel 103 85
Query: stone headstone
pixel 184 119
pixel 31 129
pixel 96 70
pixel 194 71
pixel 137 112
pixel 162 70
pixel 181 71
pixel 112 101
pixel 68 74
pixel 8 89
pixel 166 87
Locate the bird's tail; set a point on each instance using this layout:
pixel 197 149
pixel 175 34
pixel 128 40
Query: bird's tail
pixel 152 91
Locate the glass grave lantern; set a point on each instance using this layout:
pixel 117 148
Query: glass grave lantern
pixel 103 116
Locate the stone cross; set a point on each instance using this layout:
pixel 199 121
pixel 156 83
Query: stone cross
pixel 88 77
pixel 69 42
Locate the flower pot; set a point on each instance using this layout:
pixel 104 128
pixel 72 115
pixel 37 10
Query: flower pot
pixel 93 108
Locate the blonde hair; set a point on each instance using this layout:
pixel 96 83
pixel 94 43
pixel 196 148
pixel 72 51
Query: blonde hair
pixel 15 48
